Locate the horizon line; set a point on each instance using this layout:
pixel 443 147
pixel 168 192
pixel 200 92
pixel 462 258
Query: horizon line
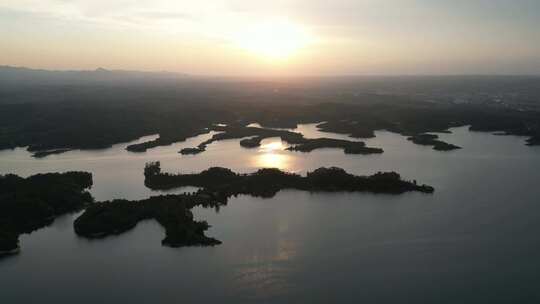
pixel 200 75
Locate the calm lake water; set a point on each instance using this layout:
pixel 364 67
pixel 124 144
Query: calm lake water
pixel 474 240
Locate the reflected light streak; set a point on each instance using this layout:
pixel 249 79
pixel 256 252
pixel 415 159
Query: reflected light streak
pixel 272 155
pixel 272 147
pixel 272 160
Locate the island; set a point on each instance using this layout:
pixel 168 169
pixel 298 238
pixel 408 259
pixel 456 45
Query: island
pixel 166 139
pixel 256 135
pixel 252 137
pixel 193 151
pixel 27 204
pixel 252 142
pixel 349 147
pixel 222 183
pixel 432 140
pixel 217 185
pixel 170 211
pixel 351 128
pixel 44 153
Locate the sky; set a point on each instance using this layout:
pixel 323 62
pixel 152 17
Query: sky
pixel 278 37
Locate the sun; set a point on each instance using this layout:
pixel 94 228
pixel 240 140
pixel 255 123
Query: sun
pixel 273 40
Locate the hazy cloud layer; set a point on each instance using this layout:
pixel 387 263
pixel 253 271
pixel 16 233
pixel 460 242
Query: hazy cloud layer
pixel 352 36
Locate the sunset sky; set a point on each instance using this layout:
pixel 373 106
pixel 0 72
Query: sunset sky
pixel 296 37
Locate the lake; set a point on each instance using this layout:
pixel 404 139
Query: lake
pixel 474 240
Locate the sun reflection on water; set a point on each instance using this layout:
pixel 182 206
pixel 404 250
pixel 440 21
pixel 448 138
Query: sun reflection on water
pixel 272 155
pixel 272 146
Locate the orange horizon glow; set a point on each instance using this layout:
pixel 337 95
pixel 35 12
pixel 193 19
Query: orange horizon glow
pixel 250 38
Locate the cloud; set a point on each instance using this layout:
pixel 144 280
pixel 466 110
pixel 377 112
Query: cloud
pixel 100 11
pixel 347 31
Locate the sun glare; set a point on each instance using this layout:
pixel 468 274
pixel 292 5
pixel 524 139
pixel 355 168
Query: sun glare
pixel 273 160
pixel 273 40
pixel 272 147
pixel 271 155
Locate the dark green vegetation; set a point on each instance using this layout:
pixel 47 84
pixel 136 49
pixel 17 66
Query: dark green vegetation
pixel 44 153
pixel 47 111
pixel 167 139
pixel 432 140
pixel 171 211
pixel 27 204
pixel 222 183
pixel 34 202
pixel 240 131
pixel 256 135
pixel 349 147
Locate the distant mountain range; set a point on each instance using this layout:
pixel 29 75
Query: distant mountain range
pixel 21 75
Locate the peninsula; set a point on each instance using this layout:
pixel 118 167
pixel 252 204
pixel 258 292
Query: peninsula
pixel 252 137
pixel 27 204
pixel 432 140
pixel 171 211
pixel 217 185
